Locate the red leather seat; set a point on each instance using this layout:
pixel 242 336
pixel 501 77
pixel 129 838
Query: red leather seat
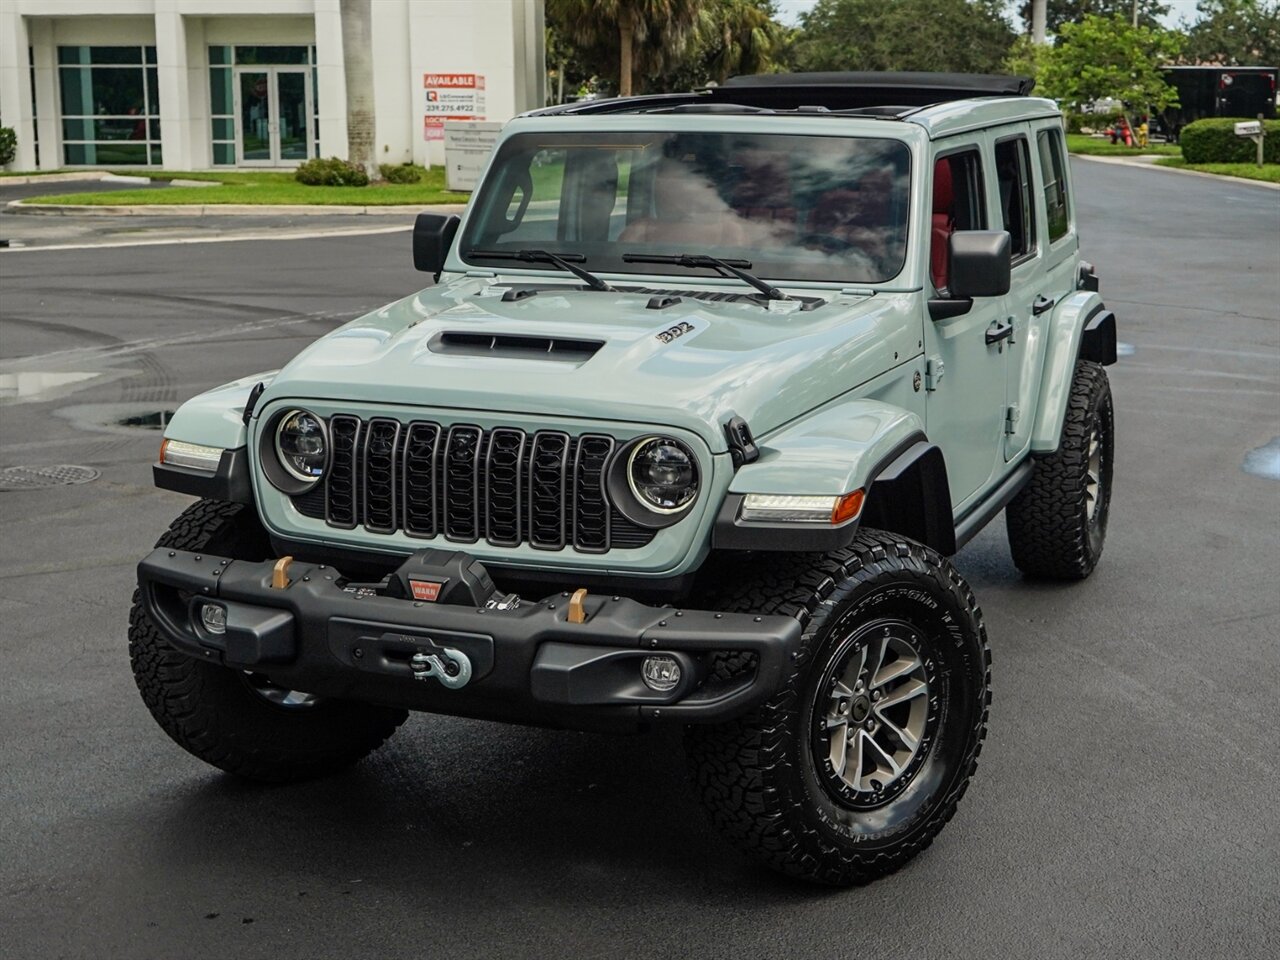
pixel 944 223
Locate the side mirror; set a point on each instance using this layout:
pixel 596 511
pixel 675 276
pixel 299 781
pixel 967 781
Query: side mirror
pixel 979 264
pixel 432 237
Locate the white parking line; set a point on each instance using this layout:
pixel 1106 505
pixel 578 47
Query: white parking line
pixel 268 235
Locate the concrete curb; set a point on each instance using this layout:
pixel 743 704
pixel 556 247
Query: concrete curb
pixel 52 178
pixel 221 209
pixel 1150 165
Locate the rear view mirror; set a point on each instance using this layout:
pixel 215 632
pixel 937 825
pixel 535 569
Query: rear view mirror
pixel 432 237
pixel 979 263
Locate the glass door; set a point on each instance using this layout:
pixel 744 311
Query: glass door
pixel 253 110
pixel 293 110
pixel 274 116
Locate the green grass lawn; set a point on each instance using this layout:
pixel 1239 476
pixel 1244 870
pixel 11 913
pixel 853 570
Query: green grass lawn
pixel 1268 172
pixel 1095 147
pixel 262 187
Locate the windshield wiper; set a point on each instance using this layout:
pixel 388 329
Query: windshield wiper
pixel 726 268
pixel 564 262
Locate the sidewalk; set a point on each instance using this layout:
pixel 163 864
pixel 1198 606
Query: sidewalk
pixel 1148 162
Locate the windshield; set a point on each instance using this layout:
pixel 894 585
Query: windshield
pixel 795 207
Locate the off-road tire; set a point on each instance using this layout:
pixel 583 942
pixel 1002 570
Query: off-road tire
pixel 759 776
pixel 1052 532
pixel 212 712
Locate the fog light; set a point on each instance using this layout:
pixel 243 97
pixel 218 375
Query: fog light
pixel 214 618
pixel 660 673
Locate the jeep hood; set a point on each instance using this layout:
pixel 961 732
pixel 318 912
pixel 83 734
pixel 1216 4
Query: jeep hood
pixel 691 364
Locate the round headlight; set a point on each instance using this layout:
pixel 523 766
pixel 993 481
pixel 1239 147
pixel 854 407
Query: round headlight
pixel 663 475
pixel 301 445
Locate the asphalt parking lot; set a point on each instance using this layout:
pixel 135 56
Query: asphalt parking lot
pixel 1124 805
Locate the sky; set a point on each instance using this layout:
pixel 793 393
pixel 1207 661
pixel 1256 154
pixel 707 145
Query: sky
pixel 789 11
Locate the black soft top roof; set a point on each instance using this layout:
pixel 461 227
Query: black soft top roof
pixel 882 94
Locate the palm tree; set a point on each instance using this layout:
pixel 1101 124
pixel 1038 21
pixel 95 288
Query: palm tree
pixel 357 60
pixel 749 39
pixel 629 23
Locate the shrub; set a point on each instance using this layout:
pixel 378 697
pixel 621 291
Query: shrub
pixel 333 172
pixel 8 145
pixel 402 172
pixel 1215 141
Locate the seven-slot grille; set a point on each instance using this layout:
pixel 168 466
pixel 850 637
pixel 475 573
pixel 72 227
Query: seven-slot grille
pixel 503 486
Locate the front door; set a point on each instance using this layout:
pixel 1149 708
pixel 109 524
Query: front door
pixel 273 105
pixel 965 371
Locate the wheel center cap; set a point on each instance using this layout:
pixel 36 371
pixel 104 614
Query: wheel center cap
pixel 860 709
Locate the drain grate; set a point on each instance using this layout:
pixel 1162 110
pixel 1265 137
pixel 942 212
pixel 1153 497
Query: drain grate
pixel 29 478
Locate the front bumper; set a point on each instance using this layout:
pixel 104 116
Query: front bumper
pixel 527 664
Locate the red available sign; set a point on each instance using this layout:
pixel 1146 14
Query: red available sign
pixel 453 80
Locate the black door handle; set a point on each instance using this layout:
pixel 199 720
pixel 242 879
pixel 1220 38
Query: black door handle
pixel 998 332
pixel 1042 304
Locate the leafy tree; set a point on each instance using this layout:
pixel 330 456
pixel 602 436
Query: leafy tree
pixel 663 26
pixel 969 36
pixel 1238 33
pixel 1103 58
pixel 1058 12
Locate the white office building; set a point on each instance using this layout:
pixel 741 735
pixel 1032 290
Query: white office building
pixel 201 84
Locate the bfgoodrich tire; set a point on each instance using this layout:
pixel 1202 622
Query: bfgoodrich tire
pixel 1057 524
pixel 860 759
pixel 240 722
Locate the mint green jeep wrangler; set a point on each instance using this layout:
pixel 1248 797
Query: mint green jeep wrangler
pixel 707 390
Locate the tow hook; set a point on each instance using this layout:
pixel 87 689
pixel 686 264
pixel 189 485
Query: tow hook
pixel 451 667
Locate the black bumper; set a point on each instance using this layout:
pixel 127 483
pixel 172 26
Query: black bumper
pixel 529 664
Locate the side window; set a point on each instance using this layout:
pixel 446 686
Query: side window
pixel 1053 172
pixel 1013 176
pixel 958 204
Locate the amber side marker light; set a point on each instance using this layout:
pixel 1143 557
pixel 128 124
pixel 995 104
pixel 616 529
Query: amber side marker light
pixel 847 507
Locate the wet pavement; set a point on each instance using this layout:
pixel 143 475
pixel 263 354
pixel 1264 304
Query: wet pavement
pixel 1124 805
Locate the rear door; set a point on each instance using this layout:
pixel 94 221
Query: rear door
pixel 1019 215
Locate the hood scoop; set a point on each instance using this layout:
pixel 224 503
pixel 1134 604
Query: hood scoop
pixel 512 346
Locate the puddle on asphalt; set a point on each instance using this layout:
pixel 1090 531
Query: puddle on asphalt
pixel 41 384
pixel 1125 349
pixel 152 420
pixel 121 418
pixel 1264 461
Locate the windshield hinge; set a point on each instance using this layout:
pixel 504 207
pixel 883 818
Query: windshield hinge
pixel 480 273
pixel 742 446
pixel 254 394
pixel 857 292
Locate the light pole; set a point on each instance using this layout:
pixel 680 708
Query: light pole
pixel 1038 18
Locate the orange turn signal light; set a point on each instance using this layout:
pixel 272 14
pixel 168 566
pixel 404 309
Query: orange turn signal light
pixel 847 507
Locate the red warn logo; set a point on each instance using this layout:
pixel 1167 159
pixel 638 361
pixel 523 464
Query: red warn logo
pixel 425 590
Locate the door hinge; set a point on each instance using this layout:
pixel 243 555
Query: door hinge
pixel 934 368
pixel 1011 416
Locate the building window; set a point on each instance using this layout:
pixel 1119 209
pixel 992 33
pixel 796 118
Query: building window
pixel 110 106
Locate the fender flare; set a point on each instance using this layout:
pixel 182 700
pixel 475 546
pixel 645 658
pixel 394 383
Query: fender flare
pixel 215 418
pixel 1081 328
pixel 855 445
